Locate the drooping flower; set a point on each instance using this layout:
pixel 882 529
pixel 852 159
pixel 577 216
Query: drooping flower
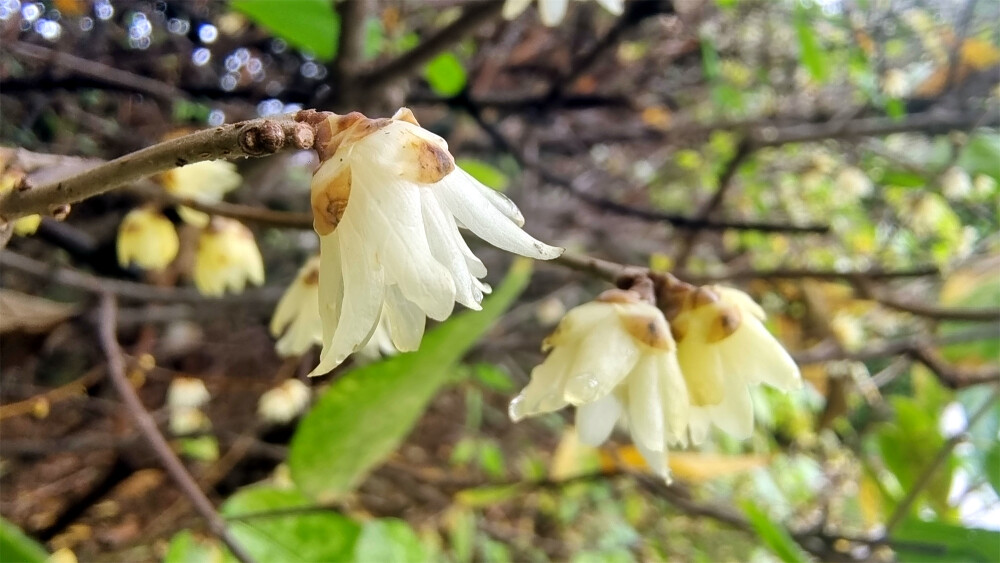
pixel 614 359
pixel 187 392
pixel 296 321
pixel 553 11
pixel 147 239
pixel 227 258
pixel 387 201
pixel 854 183
pixel 205 182
pixel 284 402
pixel 380 345
pixel 723 349
pixel 956 183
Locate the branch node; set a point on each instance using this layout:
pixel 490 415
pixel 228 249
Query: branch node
pixel 303 136
pixel 262 138
pixel 60 212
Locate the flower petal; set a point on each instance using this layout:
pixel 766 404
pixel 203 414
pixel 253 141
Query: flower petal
pixel 406 320
pixel 645 411
pixel 595 421
pixel 604 358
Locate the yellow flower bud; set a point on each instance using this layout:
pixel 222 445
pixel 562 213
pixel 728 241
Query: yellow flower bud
pixel 147 239
pixel 227 258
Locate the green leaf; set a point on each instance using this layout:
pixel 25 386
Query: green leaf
pixel 445 75
pixel 263 524
pixel 991 466
pixel 916 540
pixel 186 548
pixel 810 53
pixel 308 25
pixel 903 178
pixel 16 546
pixel 774 535
pixel 492 460
pixel 492 377
pixel 709 59
pixel 981 155
pixel 486 173
pixel 368 412
pixel 389 540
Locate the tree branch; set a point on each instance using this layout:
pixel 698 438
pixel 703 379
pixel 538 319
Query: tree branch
pixel 147 426
pixel 254 138
pixel 125 289
pixel 474 16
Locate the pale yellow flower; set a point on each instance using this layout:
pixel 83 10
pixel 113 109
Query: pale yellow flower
pixel 553 11
pixel 614 359
pixel 227 258
pixel 387 203
pixel 955 183
pixel 147 239
pixel 296 318
pixel 895 84
pixel 284 402
pixel 28 224
pixel 723 349
pixel 205 182
pixel 853 183
pixel 187 392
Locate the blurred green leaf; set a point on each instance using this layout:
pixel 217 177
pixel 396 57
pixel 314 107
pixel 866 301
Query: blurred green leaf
pixel 445 75
pixel 201 448
pixel 916 540
pixel 16 546
pixel 486 173
pixel 309 25
pixel 488 496
pixel 493 377
pixel 461 525
pixel 774 535
pixel 810 52
pixel 309 535
pixel 184 547
pixel 903 179
pixel 388 540
pixel 991 466
pixel 374 39
pixel 492 460
pixel 381 402
pixel 709 59
pixel 981 155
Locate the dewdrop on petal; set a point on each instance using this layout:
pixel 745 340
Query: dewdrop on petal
pixel 147 239
pixel 227 258
pixel 187 392
pixel 723 348
pixel 387 202
pixel 205 182
pixel 296 322
pixel 285 402
pixel 614 359
pixel 553 11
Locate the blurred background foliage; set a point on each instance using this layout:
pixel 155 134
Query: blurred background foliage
pixel 839 159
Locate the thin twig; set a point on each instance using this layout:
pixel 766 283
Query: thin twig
pixel 254 138
pixel 903 509
pixel 76 279
pixel 475 15
pixel 147 426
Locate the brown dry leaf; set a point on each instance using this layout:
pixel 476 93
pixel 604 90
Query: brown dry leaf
pixel 31 314
pixel 975 55
pixel 658 117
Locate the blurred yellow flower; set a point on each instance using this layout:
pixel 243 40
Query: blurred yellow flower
pixel 205 182
pixel 147 239
pixel 227 258
pixel 284 402
pixel 296 319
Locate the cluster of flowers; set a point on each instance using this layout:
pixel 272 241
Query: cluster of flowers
pixel 227 256
pixel 388 202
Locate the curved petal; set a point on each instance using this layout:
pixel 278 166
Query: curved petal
pixel 446 251
pixel 605 358
pixel 645 411
pixel 406 320
pixel 595 421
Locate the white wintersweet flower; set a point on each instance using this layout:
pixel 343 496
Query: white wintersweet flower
pixel 387 202
pixel 227 258
pixel 187 392
pixel 380 345
pixel 553 11
pixel 955 183
pixel 854 183
pixel 724 348
pixel 613 358
pixel 205 182
pixel 284 402
pixel 296 321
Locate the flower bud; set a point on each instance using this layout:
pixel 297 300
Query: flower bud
pixel 147 239
pixel 227 258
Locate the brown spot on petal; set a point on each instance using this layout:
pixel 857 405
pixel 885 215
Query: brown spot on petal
pixel 329 202
pixel 725 323
pixel 652 330
pixel 427 162
pixel 312 277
